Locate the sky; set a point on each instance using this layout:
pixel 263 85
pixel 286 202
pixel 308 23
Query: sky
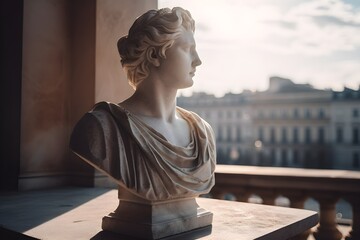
pixel 244 42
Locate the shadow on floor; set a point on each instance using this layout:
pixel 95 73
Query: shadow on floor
pixel 22 211
pixel 12 235
pixel 194 234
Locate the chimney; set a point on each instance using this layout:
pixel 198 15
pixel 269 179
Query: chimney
pixel 276 83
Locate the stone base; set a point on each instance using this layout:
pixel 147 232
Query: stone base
pixel 153 221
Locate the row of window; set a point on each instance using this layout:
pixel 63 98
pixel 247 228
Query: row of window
pixel 229 133
pixel 306 158
pixel 339 138
pixel 340 135
pixel 273 114
pixel 295 135
pixel 295 157
pixel 284 157
pixel 306 113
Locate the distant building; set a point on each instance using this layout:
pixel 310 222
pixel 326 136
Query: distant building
pixel 289 124
pixel 345 129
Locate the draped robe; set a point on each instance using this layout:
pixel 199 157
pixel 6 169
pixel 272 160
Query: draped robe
pixel 140 159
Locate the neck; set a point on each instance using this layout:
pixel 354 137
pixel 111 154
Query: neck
pixel 154 102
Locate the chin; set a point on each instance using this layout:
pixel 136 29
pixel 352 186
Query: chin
pixel 188 84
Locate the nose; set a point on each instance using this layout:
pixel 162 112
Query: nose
pixel 196 62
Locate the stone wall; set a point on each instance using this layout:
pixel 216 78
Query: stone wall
pixel 70 62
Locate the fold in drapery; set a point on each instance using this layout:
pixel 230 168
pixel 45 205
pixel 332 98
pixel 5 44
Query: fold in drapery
pixel 141 159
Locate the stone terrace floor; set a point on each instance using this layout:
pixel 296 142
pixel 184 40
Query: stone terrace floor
pixel 22 212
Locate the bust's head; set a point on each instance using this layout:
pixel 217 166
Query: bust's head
pixel 152 33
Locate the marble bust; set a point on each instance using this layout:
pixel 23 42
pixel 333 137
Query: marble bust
pixel 160 155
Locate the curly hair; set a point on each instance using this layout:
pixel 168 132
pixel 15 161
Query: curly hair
pixel 153 32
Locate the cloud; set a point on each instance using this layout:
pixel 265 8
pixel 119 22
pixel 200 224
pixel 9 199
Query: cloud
pixel 283 24
pixel 325 20
pixel 323 27
pixel 241 44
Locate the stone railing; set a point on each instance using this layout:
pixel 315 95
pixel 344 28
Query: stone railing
pixel 325 186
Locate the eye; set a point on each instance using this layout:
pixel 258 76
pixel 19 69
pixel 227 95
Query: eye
pixel 187 48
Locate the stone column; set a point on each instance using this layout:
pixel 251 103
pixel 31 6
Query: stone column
pixel 217 193
pixel 355 231
pixel 327 230
pixel 242 196
pixel 267 196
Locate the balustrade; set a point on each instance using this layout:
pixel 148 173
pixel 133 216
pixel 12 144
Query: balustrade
pixel 325 186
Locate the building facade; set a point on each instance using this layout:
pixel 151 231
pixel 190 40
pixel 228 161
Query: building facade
pixel 288 125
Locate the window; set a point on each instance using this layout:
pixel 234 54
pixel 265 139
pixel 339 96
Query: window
pixel 307 159
pixel 295 157
pixel 321 160
pixel 356 160
pixel 307 113
pixel 307 135
pixel 283 157
pixel 284 113
pixel 229 114
pixel 355 113
pixel 272 156
pixel 220 114
pixel 272 135
pixel 339 134
pixel 296 113
pixel 261 134
pixel 261 158
pixel 220 156
pixel 321 114
pixel 321 135
pixel 295 135
pixel 355 137
pixel 283 135
pixel 238 114
pixel 272 115
pixel 220 134
pixel 238 133
pixel 229 135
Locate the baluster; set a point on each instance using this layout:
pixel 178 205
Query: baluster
pixel 297 200
pixel 217 194
pixel 355 231
pixel 242 196
pixel 267 196
pixel 327 230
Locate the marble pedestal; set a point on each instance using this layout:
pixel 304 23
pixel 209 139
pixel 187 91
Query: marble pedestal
pixel 156 220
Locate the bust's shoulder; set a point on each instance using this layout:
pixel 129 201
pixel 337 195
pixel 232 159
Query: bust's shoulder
pixel 190 114
pixel 107 107
pixel 194 118
pixel 95 128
